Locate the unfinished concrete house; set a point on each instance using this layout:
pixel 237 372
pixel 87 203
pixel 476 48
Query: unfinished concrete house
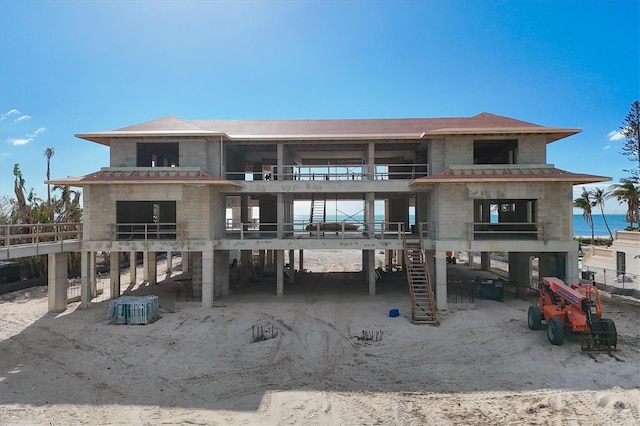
pixel 476 184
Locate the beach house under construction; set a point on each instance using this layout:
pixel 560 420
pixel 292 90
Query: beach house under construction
pixel 223 190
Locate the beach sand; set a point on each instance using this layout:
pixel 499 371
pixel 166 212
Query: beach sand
pixel 199 366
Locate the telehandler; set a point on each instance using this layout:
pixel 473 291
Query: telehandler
pixel 574 308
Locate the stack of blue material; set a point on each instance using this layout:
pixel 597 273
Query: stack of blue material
pixel 133 310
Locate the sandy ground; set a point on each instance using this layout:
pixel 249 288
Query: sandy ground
pixel 199 366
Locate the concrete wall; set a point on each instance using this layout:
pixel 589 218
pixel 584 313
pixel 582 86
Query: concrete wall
pixel 192 207
pixel 454 206
pixel 532 149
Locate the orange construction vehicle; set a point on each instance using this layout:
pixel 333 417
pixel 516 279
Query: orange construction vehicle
pixel 572 308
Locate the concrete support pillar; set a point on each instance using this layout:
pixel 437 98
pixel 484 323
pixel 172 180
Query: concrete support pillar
pixel 57 281
pixel 85 281
pixel 572 266
pixel 114 274
pixel 196 275
pixel 221 272
pixel 292 267
pixel 279 272
pixel 371 271
pixel 92 276
pixel 269 261
pixel 145 266
pixel 133 270
pixel 441 280
pixel 371 161
pixel 169 263
pixel 152 268
pixel 280 214
pixel 485 261
pixel 369 213
pixel 185 261
pixel 301 268
pixel 262 254
pixel 207 274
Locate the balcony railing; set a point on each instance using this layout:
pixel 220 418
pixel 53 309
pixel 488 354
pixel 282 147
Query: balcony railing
pixel 334 173
pixel 146 231
pixel 507 231
pixel 329 230
pixel 39 233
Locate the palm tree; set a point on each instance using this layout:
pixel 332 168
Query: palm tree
pixel 583 202
pixel 599 196
pixel 49 152
pixel 627 191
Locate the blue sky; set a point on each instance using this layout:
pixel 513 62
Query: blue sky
pixel 69 67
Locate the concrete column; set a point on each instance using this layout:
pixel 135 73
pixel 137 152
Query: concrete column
pixel 145 266
pixel 485 261
pixel 133 270
pixel 196 275
pixel 292 267
pixel 152 268
pixel 185 261
pixel 441 280
pixel 221 272
pixel 280 214
pixel 572 266
pixel 114 274
pixel 57 281
pixel 369 213
pixel 92 275
pixel 85 281
pixel 371 160
pixel 279 272
pixel 169 263
pixel 208 270
pixel 371 271
pixel 269 262
pixel 301 268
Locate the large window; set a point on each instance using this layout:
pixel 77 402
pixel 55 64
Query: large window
pixel 158 154
pixel 140 220
pixel 495 151
pixel 505 219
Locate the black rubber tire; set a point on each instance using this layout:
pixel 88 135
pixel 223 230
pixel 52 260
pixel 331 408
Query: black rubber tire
pixel 555 331
pixel 534 317
pixel 609 334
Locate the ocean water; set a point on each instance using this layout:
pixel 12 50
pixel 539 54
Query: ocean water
pixel 580 227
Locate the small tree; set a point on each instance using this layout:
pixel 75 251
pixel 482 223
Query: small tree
pixel 626 191
pixel 584 202
pixel 631 131
pixel 599 196
pixel 49 152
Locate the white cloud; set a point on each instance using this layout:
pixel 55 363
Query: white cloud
pixel 38 131
pixel 8 113
pixel 20 141
pixel 607 147
pixel 615 135
pixel 22 118
pixel 29 137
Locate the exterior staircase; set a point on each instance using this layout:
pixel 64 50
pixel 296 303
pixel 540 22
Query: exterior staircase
pixel 423 303
pixel 318 210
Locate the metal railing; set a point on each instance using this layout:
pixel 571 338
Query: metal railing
pixel 146 231
pixel 507 230
pixel 339 229
pixel 39 233
pixel 334 172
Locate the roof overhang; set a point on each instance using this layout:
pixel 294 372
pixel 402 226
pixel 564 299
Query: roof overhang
pixel 145 176
pixel 507 173
pixel 104 138
pixel 552 133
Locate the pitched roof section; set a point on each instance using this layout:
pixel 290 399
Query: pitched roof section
pixel 547 173
pixel 388 128
pixel 147 176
